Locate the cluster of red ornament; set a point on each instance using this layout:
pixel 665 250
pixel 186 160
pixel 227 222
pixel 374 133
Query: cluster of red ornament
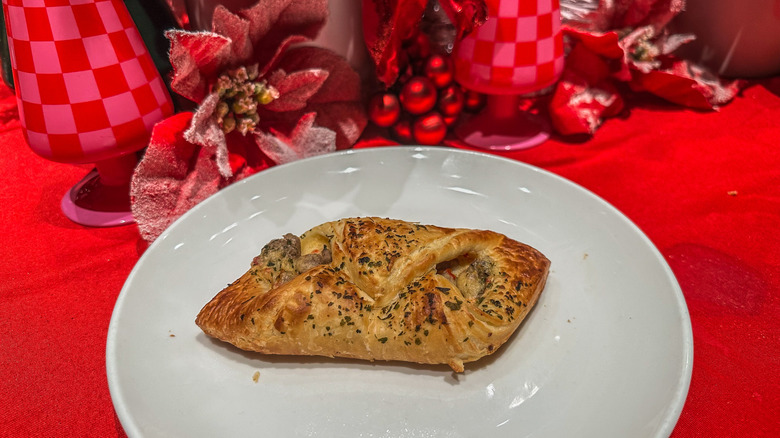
pixel 424 103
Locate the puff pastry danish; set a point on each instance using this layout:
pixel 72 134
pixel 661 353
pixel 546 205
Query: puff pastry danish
pixel 381 289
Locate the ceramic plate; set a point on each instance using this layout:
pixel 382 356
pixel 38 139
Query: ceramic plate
pixel 607 351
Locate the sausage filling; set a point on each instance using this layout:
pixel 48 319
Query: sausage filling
pixel 284 256
pixel 470 273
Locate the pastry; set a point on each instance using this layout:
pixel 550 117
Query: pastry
pixel 381 289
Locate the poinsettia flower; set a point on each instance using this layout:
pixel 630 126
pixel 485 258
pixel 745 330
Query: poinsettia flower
pixel 626 41
pixel 257 93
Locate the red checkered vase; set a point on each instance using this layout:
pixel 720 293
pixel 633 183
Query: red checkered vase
pixel 518 50
pixel 87 92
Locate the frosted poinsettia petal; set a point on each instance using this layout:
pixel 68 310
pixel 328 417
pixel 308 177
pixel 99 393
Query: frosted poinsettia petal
pixel 295 88
pixel 670 43
pixel 277 24
pixel 306 140
pixel 272 21
pixel 638 13
pixel 343 83
pixel 205 131
pixel 276 148
pixel 304 18
pixel 602 16
pixel 338 103
pixel 268 59
pixel 196 57
pixel 311 140
pixel 346 119
pixel 173 176
pixel 262 16
pixel 237 30
pixel 688 85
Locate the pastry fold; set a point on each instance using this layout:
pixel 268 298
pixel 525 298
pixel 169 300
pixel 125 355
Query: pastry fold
pixel 381 289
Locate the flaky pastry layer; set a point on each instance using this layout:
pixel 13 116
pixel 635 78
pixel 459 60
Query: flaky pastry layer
pixel 381 289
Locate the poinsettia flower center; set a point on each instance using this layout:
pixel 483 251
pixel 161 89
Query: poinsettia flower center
pixel 240 92
pixel 644 50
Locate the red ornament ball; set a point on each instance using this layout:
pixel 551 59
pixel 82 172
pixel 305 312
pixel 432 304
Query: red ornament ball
pixel 402 131
pixel 439 70
pixel 384 109
pixel 473 101
pixel 418 95
pixel 429 129
pixel 451 101
pixel 450 120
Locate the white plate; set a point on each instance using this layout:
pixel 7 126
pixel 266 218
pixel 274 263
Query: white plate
pixel 606 352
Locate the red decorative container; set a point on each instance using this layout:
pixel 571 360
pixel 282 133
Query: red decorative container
pixel 87 92
pixel 518 50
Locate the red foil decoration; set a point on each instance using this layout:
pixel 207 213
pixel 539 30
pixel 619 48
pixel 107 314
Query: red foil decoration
pixel 388 23
pixel 465 14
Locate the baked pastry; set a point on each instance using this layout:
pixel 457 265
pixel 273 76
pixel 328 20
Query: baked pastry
pixel 381 289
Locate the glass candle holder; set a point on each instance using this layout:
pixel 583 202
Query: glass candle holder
pixel 87 92
pixel 517 51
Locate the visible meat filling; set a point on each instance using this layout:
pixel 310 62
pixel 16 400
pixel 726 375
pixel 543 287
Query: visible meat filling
pixel 284 256
pixel 279 250
pixel 473 280
pixel 308 261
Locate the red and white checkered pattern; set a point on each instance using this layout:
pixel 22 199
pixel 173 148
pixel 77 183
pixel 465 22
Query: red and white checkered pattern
pixel 86 86
pixel 519 49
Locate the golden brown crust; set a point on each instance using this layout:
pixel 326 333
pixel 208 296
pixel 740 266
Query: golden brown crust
pixel 388 290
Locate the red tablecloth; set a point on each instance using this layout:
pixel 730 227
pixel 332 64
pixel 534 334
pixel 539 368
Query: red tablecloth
pixel 705 187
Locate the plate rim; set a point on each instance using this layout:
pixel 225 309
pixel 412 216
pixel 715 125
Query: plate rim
pixel 677 402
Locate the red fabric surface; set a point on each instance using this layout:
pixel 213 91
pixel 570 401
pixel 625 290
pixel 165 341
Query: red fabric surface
pixel 705 187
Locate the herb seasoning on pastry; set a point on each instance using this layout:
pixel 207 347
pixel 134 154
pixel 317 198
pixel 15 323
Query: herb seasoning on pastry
pixel 381 289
